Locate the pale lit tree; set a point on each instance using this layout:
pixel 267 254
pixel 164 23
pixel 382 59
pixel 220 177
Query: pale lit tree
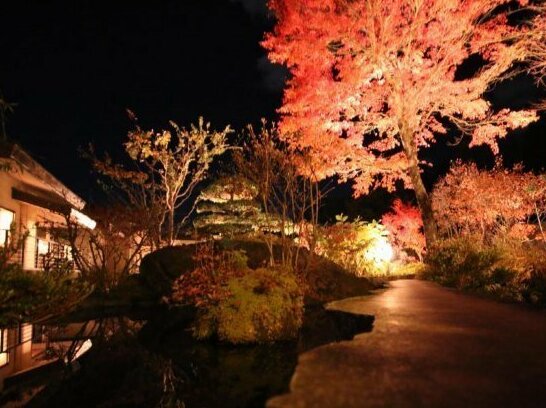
pixel 170 164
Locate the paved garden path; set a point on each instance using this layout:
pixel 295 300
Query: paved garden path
pixel 430 347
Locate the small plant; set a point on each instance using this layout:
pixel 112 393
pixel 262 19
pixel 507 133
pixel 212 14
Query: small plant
pixel 264 305
pixel 462 263
pixel 237 304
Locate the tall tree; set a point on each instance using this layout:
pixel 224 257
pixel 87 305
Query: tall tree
pixel 375 81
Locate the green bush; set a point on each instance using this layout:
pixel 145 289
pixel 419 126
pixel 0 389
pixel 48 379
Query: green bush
pixel 505 269
pixel 26 296
pixel 264 305
pixel 461 263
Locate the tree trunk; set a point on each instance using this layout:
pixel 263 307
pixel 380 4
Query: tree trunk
pixel 423 199
pixel 425 205
pixel 170 226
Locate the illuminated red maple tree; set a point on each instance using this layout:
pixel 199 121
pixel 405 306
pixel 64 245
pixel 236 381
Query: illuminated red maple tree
pixel 405 226
pixel 375 81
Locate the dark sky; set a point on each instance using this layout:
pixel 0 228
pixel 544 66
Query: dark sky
pixel 73 67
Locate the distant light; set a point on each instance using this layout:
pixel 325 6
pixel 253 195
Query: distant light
pixel 380 251
pixel 82 219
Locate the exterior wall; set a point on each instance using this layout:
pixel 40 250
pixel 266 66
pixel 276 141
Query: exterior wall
pixel 28 353
pixel 19 350
pixel 27 216
pixel 23 354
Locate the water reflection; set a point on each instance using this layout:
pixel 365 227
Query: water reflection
pixel 141 363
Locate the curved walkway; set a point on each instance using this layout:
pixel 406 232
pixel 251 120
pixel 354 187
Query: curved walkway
pixel 430 347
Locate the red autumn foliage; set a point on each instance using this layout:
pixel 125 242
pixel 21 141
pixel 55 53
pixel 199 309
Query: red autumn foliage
pixel 373 82
pixel 470 200
pixel 405 226
pixel 206 285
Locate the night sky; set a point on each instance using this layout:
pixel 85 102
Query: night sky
pixel 74 67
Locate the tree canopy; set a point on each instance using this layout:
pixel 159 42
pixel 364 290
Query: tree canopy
pixel 375 81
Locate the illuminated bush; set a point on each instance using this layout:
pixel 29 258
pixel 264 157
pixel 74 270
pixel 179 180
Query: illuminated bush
pixel 405 226
pixel 360 247
pixel 264 305
pixel 206 284
pixel 506 269
pixel 463 263
pixel 237 304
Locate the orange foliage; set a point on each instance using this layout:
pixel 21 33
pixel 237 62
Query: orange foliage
pixel 363 69
pixel 374 81
pixel 206 285
pixel 405 226
pixel 468 199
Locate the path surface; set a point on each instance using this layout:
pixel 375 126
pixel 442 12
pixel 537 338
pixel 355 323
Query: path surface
pixel 430 347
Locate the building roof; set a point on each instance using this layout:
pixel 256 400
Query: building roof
pixel 24 160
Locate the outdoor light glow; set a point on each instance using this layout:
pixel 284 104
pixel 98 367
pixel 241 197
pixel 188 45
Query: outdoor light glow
pixel 82 219
pixel 380 251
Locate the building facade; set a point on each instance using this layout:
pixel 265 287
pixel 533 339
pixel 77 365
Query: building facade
pixel 31 200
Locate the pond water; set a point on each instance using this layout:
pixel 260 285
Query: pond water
pixel 146 362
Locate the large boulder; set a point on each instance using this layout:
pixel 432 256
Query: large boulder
pixel 325 281
pixel 159 269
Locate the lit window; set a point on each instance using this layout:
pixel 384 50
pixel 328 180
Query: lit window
pixel 43 247
pixel 6 219
pixel 4 354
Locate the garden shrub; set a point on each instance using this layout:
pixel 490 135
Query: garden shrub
pixel 237 304
pixel 26 295
pixel 506 269
pixel 206 284
pixel 462 263
pixel 405 226
pixel 264 305
pixel 528 261
pixel 356 245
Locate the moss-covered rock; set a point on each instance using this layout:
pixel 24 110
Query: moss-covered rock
pixel 159 269
pixel 325 281
pixel 264 305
